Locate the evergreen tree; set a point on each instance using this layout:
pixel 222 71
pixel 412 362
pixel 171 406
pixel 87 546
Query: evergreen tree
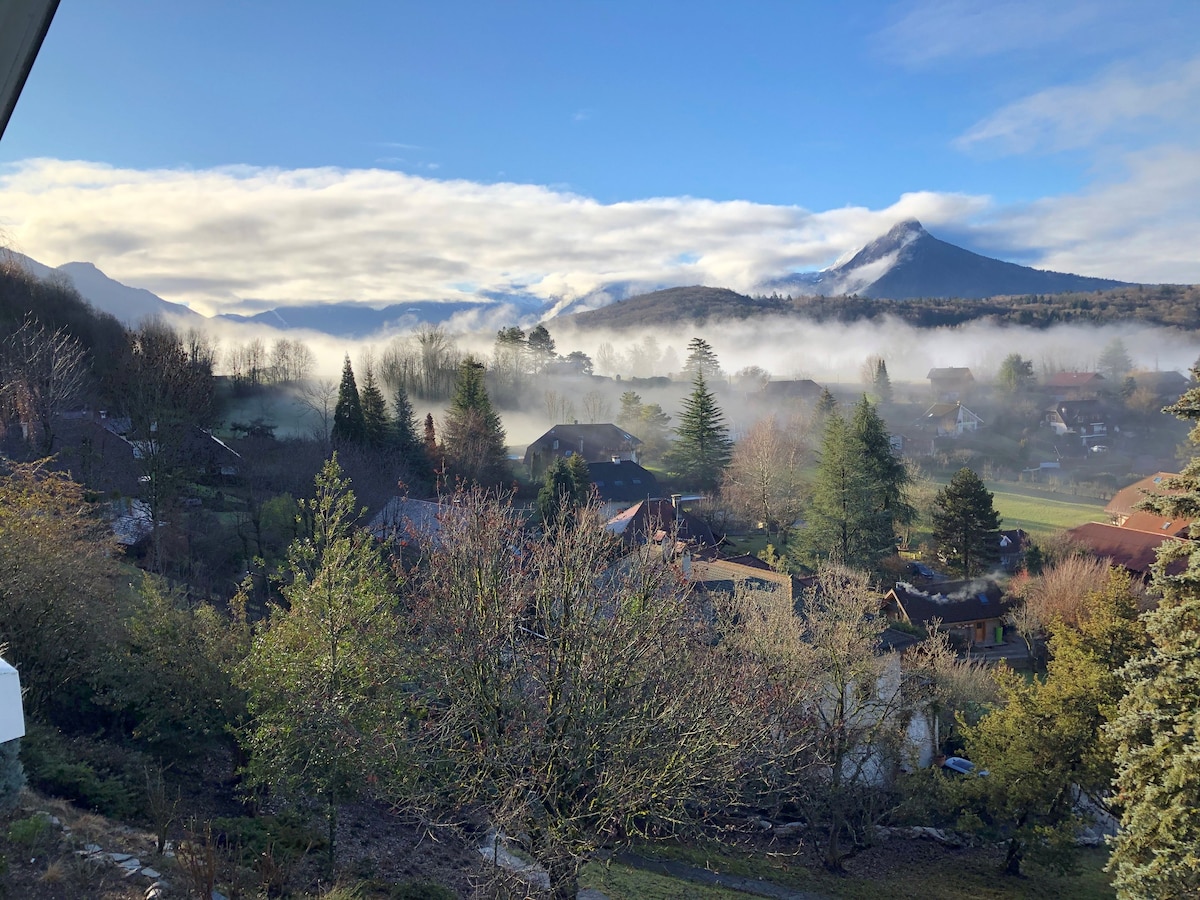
pixel 1155 851
pixel 966 525
pixel 882 382
pixel 1114 362
pixel 703 448
pixel 403 436
pixel 541 347
pixel 631 411
pixel 859 496
pixel 374 410
pixel 841 525
pixel 349 425
pixel 702 360
pixel 826 404
pixel 885 471
pixel 566 487
pixel 321 669
pixel 472 437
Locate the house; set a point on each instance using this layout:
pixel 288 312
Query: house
pixel 973 611
pixel 948 420
pixel 742 572
pixel 657 520
pixel 803 389
pixel 1125 502
pixel 911 441
pixel 595 443
pixel 950 384
pixel 1153 523
pixel 1075 385
pixel 620 483
pixel 1132 550
pixel 1085 420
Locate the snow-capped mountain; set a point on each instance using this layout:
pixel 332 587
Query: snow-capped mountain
pixel 908 263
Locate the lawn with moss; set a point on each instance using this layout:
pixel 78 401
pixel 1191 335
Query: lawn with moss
pixel 1042 516
pixel 902 870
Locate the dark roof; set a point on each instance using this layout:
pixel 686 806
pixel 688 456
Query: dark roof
pixel 803 388
pixel 950 373
pixel 655 519
pixel 1073 379
pixel 622 480
pixel 897 640
pixel 1126 500
pixel 1125 547
pixel 402 517
pixel 593 442
pixel 954 602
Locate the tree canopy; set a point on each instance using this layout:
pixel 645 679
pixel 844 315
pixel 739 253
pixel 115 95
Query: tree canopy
pixel 703 448
pixel 966 525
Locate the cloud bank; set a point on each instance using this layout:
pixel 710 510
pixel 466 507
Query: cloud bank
pixel 243 238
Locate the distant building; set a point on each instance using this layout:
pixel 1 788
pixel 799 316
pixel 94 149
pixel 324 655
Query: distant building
pixel 595 443
pixel 658 521
pixel 1076 385
pixel 1125 502
pixel 948 420
pixel 1132 550
pixel 804 389
pixel 1084 420
pixel 620 483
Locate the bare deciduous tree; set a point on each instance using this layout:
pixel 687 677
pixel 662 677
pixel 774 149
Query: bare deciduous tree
pixel 763 482
pixel 44 372
pixel 568 695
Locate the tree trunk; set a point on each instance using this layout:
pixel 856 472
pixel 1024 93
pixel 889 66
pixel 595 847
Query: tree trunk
pixel 1012 862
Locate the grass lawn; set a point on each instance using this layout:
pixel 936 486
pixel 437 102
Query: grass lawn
pixel 1042 516
pixel 913 871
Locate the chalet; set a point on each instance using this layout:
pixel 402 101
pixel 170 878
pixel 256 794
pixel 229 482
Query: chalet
pixel 1125 502
pixel 973 611
pixel 911 441
pixel 1153 523
pixel 1084 420
pixel 595 443
pixel 1076 385
pixel 729 575
pixel 948 420
pixel 950 384
pixel 657 520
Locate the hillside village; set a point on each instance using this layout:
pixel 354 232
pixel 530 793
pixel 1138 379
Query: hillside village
pixel 781 618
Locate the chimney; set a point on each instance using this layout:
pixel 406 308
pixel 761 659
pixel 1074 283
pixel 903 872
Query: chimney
pixel 616 460
pixel 675 498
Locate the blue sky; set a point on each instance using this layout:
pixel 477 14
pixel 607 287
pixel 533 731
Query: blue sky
pixel 236 155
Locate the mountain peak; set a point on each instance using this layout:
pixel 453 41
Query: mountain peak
pixel 908 226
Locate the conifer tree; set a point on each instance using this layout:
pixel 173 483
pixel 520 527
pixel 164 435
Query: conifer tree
pixel 825 405
pixel 882 382
pixel 349 425
pixel 1156 729
pixel 566 487
pixel 966 525
pixel 702 360
pixel 860 493
pixel 374 410
pixel 703 448
pixel 472 437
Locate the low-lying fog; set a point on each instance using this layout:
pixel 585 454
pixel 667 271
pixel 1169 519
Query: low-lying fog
pixel 829 353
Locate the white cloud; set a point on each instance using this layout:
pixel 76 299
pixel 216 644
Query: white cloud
pixel 926 32
pixel 1139 226
pixel 1073 116
pixel 222 239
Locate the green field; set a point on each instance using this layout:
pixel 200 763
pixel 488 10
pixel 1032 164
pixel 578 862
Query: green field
pixel 929 874
pixel 1043 516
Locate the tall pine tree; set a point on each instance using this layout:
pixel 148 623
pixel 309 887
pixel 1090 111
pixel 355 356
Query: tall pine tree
pixel 966 525
pixel 472 437
pixel 703 448
pixel 349 425
pixel 860 493
pixel 1157 729
pixel 374 410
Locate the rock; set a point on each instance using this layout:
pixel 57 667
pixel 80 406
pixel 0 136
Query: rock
pixel 217 895
pixel 788 828
pixel 151 873
pixel 92 848
pixel 119 857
